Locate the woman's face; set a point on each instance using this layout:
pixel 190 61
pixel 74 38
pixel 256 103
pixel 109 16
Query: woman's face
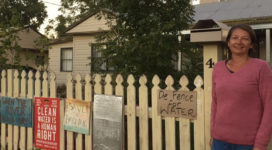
pixel 239 42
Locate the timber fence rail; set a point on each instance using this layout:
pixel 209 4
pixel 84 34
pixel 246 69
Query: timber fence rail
pixel 143 128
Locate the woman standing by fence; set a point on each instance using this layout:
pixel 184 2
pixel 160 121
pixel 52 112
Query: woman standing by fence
pixel 242 96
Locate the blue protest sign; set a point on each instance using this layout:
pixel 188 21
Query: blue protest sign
pixel 16 111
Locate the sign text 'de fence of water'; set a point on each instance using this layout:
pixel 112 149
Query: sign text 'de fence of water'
pixel 177 104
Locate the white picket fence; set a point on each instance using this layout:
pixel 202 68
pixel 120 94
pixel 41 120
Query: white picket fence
pixel 166 133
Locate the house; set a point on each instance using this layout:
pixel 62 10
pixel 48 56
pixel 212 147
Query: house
pixel 257 14
pixel 30 53
pixel 71 54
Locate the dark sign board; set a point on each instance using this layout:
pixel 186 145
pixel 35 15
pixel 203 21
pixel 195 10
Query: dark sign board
pixel 47 123
pixel 16 111
pixel 107 122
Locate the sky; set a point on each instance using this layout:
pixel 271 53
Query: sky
pixel 52 7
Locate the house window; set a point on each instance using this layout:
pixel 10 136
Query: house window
pixel 66 60
pixel 99 64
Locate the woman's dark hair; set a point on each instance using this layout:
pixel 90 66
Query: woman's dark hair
pixel 251 33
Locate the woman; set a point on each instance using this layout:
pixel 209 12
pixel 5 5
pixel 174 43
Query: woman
pixel 241 113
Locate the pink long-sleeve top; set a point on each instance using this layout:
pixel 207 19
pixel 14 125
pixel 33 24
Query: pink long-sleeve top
pixel 241 110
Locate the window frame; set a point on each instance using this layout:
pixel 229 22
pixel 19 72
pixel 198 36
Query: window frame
pixel 61 60
pixel 107 69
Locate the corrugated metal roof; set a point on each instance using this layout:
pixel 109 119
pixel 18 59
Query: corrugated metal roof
pixel 234 10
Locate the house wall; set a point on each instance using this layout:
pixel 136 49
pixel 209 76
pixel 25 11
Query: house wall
pixel 81 52
pixel 92 24
pixel 54 61
pixel 27 38
pixel 29 60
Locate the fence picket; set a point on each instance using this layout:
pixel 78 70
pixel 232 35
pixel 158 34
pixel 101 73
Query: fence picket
pixel 23 84
pixel 10 94
pixel 143 117
pixel 170 123
pixel 108 86
pixel 37 84
pixel 97 86
pixel 3 93
pixel 184 124
pixel 23 95
pixel 16 94
pixel 131 113
pixel 45 85
pixel 37 93
pixel 30 82
pixel 30 95
pixel 52 85
pixel 199 123
pixel 88 97
pixel 69 94
pixel 156 118
pixel 79 137
pixel 119 91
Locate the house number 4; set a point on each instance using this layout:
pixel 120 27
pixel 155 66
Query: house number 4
pixel 210 63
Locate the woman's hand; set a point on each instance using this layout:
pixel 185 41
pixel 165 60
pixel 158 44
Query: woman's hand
pixel 211 140
pixel 255 148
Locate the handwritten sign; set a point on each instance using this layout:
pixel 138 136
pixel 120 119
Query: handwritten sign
pixel 47 129
pixel 177 104
pixel 16 111
pixel 107 122
pixel 77 116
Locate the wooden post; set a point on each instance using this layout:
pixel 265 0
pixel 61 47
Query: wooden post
pixel 212 53
pixel 10 94
pixel 3 93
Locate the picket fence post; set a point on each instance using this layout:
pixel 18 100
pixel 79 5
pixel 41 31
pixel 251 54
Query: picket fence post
pixel 79 137
pixel 184 123
pixel 170 122
pixel 199 123
pixel 119 91
pixel 69 94
pixel 23 95
pixel 156 118
pixel 131 113
pixel 88 97
pixel 30 94
pixel 143 115
pixel 16 94
pixel 108 86
pixel 3 93
pixel 10 94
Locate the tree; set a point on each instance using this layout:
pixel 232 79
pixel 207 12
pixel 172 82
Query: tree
pixel 15 16
pixel 42 58
pixel 72 11
pixel 145 38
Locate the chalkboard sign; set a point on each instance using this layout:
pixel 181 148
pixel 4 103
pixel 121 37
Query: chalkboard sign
pixel 16 111
pixel 177 104
pixel 107 122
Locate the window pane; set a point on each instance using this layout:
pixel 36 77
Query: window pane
pixel 69 65
pixel 66 59
pixel 69 54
